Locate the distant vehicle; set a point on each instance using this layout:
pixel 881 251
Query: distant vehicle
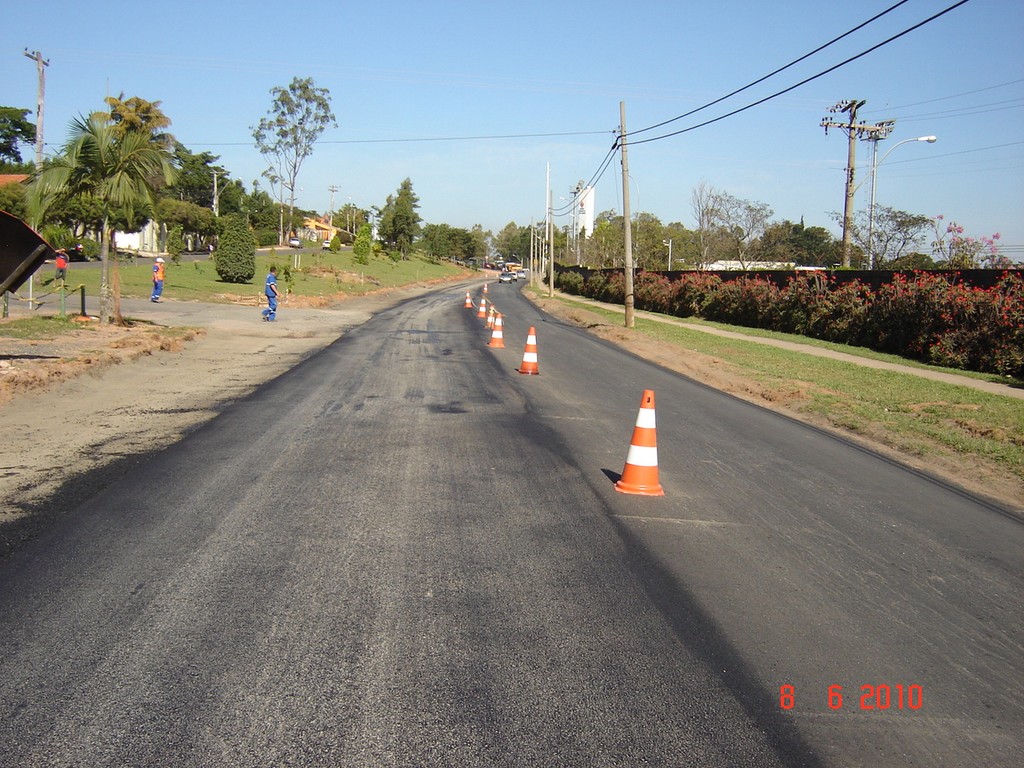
pixel 294 242
pixel 325 245
pixel 506 277
pixel 521 274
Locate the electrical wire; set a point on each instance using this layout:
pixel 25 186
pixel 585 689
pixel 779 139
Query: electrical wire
pixel 594 178
pixel 804 81
pixel 945 98
pixel 772 74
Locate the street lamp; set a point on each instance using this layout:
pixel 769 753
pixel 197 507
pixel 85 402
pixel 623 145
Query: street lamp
pixel 875 162
pixel 669 244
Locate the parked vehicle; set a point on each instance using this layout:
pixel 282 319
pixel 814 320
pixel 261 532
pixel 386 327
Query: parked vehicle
pixel 294 242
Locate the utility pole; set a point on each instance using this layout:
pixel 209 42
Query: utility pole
pixel 549 237
pixel 627 224
pixel 875 134
pixel 852 130
pixel 216 193
pixel 37 57
pixel 330 215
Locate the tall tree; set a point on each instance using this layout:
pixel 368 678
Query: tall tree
pixel 746 220
pixel 137 114
pixel 298 115
pixel 15 129
pixel 399 222
pixel 119 172
pixel 706 203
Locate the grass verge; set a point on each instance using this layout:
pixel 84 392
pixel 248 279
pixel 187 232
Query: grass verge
pixel 323 274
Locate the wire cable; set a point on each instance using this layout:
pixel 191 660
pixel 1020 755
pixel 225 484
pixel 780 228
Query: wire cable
pixel 772 74
pixel 804 81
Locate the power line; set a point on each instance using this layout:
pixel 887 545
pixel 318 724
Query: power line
pixel 772 74
pixel 426 138
pixel 953 154
pixel 806 80
pixel 953 96
pixel 953 113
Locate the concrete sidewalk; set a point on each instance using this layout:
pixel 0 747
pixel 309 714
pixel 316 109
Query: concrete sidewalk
pixel 1008 390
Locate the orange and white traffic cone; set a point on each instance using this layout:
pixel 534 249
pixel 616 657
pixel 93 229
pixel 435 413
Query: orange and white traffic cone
pixel 497 335
pixel 491 314
pixel 485 288
pixel 640 475
pixel 469 301
pixel 482 312
pixel 529 366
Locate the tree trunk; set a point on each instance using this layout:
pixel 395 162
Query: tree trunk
pixel 104 276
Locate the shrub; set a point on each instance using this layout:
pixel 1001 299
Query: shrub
pixel 235 259
pixel 569 282
pixel 594 285
pixel 363 247
pixel 175 243
pixel 925 316
pixel 266 238
pixel 652 292
pixel 691 293
pixel 744 301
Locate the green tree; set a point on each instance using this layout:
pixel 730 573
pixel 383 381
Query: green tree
pixel 195 176
pixel 362 249
pixel 399 223
pixel 175 243
pixel 192 219
pixel 12 199
pixel 235 257
pixel 804 246
pixel 15 129
pixel 298 115
pixel 120 171
pixel 136 115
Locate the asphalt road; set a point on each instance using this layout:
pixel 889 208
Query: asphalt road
pixel 402 552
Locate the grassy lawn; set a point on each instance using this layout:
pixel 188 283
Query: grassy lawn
pixel 321 274
pixel 40 328
pixel 914 414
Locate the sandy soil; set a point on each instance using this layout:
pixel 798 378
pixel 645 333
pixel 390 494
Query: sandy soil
pixel 74 410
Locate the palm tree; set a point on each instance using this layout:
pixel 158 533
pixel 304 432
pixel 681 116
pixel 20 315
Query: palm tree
pixel 118 169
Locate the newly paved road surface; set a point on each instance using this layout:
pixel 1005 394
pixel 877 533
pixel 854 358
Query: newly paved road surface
pixel 404 553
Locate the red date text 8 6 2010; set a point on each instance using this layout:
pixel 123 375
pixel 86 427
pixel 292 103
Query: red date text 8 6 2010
pixel 872 697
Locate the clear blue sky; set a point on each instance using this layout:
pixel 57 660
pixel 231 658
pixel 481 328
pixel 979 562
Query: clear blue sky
pixel 415 70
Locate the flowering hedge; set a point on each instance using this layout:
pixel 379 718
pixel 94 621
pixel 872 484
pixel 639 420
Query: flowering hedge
pixel 926 316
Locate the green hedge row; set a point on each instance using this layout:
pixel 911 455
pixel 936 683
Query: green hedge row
pixel 924 316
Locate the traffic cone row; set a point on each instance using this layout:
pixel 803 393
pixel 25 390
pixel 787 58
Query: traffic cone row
pixel 640 472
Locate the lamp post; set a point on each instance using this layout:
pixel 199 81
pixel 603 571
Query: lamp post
pixel 669 244
pixel 875 162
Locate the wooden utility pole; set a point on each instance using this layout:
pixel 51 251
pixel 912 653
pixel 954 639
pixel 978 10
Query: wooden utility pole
pixel 41 65
pixel 627 224
pixel 548 229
